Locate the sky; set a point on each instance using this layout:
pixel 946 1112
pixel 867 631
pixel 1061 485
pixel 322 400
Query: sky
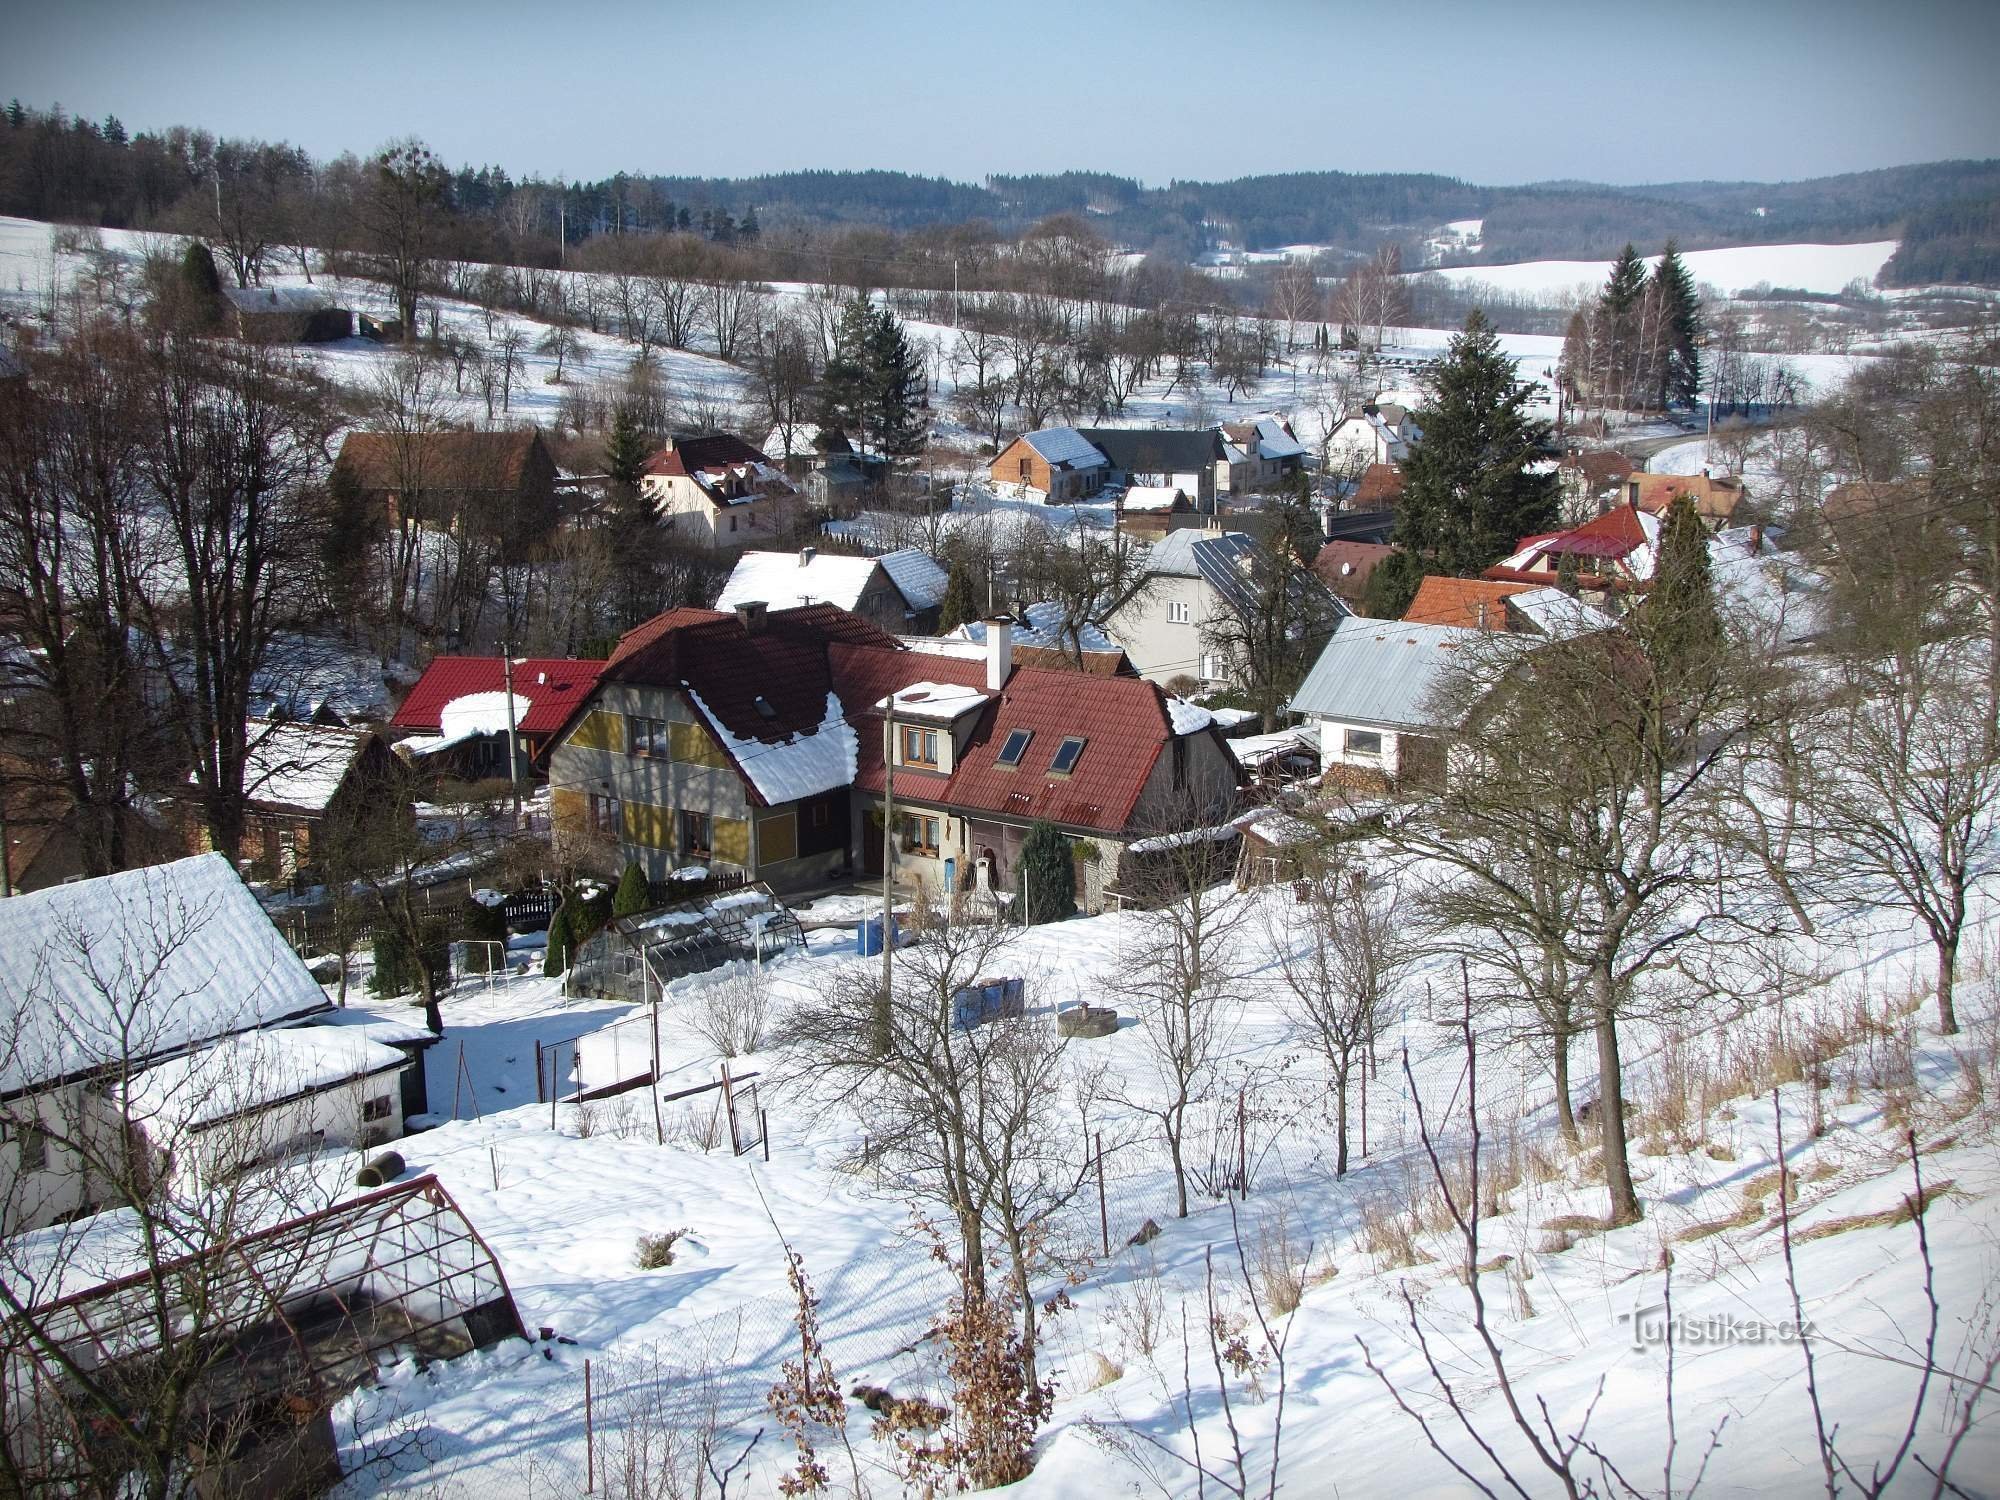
pixel 1492 91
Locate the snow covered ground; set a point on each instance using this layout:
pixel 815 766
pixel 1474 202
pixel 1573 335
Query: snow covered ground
pixel 562 1197
pixel 1811 268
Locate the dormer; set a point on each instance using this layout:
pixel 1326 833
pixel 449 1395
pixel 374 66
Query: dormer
pixel 931 721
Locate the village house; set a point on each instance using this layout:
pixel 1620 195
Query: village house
pixel 133 976
pixel 1468 603
pixel 1193 580
pixel 45 831
pixel 1345 567
pixel 1041 638
pixel 718 491
pixel 1148 510
pixel 1612 555
pixel 1374 695
pixel 755 740
pixel 1057 465
pixel 1192 460
pixel 502 482
pixel 299 779
pixel 1260 455
pixel 826 464
pixel 1715 500
pixel 289 315
pixel 1372 434
pixel 865 586
pixel 1588 481
pixel 454 718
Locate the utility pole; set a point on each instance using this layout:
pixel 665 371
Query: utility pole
pixel 954 293
pixel 513 730
pixel 888 839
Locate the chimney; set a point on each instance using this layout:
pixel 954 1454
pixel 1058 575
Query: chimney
pixel 1482 616
pixel 750 615
pixel 806 555
pixel 999 652
pixel 541 679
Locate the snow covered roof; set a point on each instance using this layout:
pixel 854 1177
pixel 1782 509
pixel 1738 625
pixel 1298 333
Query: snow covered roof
pixel 481 713
pixel 1153 497
pixel 1557 615
pixel 164 958
pixel 785 580
pixel 920 577
pixel 248 1072
pixel 1065 445
pixel 938 701
pixel 1040 626
pixel 276 299
pixel 1186 717
pixel 299 765
pixel 552 686
pixel 1274 442
pixel 1260 749
pixel 801 765
pixel 1381 672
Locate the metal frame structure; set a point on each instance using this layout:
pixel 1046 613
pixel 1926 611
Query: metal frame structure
pixel 295 1313
pixel 634 958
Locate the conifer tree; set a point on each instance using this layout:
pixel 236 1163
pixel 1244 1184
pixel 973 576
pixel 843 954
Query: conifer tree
pixel 1680 371
pixel 897 387
pixel 961 598
pixel 634 895
pixel 1618 315
pixel 1391 586
pixel 843 385
pixel 555 959
pixel 1047 874
pixel 1679 621
pixel 1468 491
pixel 1566 575
pixel 626 450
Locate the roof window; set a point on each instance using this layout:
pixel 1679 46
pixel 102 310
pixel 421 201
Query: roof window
pixel 1066 755
pixel 1016 747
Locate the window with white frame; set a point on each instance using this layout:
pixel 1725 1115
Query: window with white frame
pixel 1178 612
pixel 378 1108
pixel 1363 744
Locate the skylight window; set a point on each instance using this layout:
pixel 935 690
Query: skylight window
pixel 1066 754
pixel 1016 747
pixel 764 707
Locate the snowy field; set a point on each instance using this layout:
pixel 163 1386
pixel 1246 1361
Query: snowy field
pixel 1810 268
pixel 562 1196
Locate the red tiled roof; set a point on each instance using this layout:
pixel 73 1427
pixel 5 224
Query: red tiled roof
pixel 1380 488
pixel 1714 499
pixel 1122 720
pixel 1458 601
pixel 716 450
pixel 553 686
pixel 1344 566
pixel 783 662
pixel 1613 534
pixel 444 460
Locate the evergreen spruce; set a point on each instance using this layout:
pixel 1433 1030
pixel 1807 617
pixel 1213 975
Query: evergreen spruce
pixel 896 387
pixel 1566 575
pixel 1468 493
pixel 1391 586
pixel 198 271
pixel 961 599
pixel 556 959
pixel 1679 621
pixel 844 404
pixel 634 895
pixel 626 451
pixel 1047 874
pixel 1680 372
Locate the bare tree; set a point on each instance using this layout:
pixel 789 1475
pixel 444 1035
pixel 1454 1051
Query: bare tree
pixel 1372 299
pixel 400 212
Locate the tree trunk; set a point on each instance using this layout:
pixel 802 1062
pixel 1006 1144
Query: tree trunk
pixel 1180 1171
pixel 1611 1108
pixel 1947 965
pixel 1565 1116
pixel 1340 1125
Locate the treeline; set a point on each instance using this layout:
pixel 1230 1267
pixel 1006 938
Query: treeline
pixel 56 166
pixel 1954 244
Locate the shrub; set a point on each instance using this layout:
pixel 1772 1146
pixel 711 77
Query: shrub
pixel 396 966
pixel 1047 874
pixel 634 895
pixel 657 1250
pixel 556 959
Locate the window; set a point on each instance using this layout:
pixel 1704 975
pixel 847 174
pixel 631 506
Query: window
pixel 33 1148
pixel 1066 754
pixel 647 737
pixel 919 746
pixel 1016 747
pixel 1364 742
pixel 605 815
pixel 377 1108
pixel 1177 612
pixel 732 523
pixel 695 836
pixel 919 834
pixel 1213 668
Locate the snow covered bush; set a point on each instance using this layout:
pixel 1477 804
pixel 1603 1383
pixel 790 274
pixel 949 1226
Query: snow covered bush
pixel 731 1013
pixel 657 1250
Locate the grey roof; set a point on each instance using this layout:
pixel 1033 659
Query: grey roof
pixel 276 299
pixel 1066 446
pixel 917 576
pixel 1156 450
pixel 1228 560
pixel 1382 672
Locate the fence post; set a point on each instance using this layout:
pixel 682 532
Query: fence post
pixel 764 1131
pixel 1103 1213
pixel 538 1070
pixel 729 1109
pixel 589 1437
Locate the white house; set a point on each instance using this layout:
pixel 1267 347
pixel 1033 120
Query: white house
pixel 120 977
pixel 1259 454
pixel 718 491
pixel 1372 435
pixel 1374 694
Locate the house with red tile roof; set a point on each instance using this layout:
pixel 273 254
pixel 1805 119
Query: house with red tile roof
pixel 442 715
pixel 1344 567
pixel 1469 603
pixel 503 481
pixel 718 491
pixel 1715 500
pixel 1613 554
pixel 765 741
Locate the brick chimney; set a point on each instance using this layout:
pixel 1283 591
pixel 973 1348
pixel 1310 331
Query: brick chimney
pixel 999 652
pixel 750 615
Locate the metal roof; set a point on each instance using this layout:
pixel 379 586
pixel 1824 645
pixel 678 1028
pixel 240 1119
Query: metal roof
pixel 1382 672
pixel 1064 445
